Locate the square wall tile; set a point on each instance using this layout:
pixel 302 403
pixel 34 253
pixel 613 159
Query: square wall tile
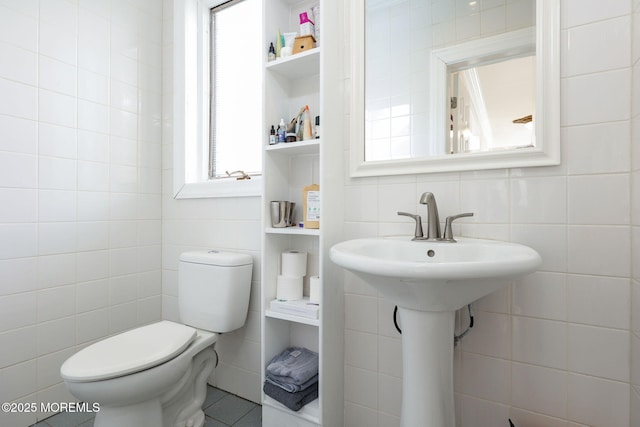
pixel 18 170
pixel 57 108
pixel 18 310
pixel 18 64
pixel 599 250
pixel 18 205
pixel 55 303
pixel 18 99
pixel 598 148
pixel 18 275
pixel 19 345
pixel 486 377
pixel 580 12
pixel 540 342
pixel 596 98
pixel 532 197
pixel 478 412
pixel 490 336
pixel 599 301
pixel 542 295
pixel 539 389
pixel 613 205
pixel 599 352
pixel 609 41
pixel 598 402
pixel 18 29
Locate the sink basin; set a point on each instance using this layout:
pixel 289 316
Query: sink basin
pixel 435 276
pixel 428 281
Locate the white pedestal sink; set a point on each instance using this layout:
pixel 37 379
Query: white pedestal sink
pixel 429 281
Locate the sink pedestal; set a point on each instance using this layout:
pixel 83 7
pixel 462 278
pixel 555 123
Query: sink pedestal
pixel 429 281
pixel 427 367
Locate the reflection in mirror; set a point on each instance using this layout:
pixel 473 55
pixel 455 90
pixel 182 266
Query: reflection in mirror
pixel 411 58
pixel 399 38
pixel 492 106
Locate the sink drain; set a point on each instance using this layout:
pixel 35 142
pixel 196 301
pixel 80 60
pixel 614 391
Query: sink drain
pixel 431 253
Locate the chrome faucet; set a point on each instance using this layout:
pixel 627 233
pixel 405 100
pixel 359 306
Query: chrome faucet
pixel 433 222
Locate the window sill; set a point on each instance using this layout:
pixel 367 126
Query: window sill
pixel 220 188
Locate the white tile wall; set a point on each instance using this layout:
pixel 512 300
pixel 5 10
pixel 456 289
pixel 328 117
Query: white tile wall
pixel 79 257
pixel 560 347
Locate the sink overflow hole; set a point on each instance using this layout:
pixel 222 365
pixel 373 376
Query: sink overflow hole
pixel 431 252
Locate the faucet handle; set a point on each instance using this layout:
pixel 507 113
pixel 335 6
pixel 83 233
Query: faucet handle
pixel 448 232
pixel 418 234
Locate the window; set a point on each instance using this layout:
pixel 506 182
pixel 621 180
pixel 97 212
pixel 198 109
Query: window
pixel 217 97
pixel 236 64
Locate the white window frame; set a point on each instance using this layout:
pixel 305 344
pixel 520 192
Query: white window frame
pixel 191 81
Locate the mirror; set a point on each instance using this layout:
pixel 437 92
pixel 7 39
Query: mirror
pixel 454 85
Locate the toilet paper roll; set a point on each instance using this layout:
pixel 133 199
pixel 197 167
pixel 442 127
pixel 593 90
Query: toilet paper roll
pixel 294 264
pixel 288 288
pixel 315 289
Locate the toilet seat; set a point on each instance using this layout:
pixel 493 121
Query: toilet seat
pixel 128 352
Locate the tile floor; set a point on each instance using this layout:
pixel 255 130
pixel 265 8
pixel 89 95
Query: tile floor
pixel 221 409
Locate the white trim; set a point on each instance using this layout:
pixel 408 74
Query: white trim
pixel 547 150
pixel 191 107
pixel 221 188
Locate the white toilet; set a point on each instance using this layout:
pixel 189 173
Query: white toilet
pixel 156 375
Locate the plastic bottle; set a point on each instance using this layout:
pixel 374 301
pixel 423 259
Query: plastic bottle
pixel 307 133
pixel 317 129
pixel 282 131
pixel 278 44
pixel 272 136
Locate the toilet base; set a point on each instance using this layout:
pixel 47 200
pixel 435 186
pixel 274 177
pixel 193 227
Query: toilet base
pixel 180 406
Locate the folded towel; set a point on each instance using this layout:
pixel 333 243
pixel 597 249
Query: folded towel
pixel 295 365
pixel 293 401
pixel 291 388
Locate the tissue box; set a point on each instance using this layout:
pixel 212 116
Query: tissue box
pixel 303 43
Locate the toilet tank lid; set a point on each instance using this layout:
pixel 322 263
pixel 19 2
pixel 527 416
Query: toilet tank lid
pixel 128 352
pixel 214 257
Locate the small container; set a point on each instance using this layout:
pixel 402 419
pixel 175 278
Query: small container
pixel 317 128
pixel 273 138
pixel 291 137
pixel 272 53
pixel 307 27
pixel 282 130
pixel 282 214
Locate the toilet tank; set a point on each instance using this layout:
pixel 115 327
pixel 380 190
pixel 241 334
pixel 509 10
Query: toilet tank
pixel 213 289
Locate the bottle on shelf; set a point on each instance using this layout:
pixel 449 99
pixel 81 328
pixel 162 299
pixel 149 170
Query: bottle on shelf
pixel 272 53
pixel 273 138
pixel 282 131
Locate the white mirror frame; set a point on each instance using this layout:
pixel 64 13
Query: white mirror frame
pixel 547 149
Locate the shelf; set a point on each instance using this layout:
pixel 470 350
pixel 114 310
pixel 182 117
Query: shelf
pixel 311 146
pixel 293 231
pixel 302 64
pixel 292 318
pixel 310 411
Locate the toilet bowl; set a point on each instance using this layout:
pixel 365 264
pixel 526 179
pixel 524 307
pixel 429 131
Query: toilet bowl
pixel 156 375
